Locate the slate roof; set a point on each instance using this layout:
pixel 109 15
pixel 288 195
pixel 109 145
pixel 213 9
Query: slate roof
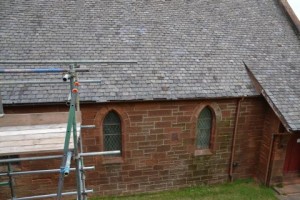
pixel 184 48
pixel 280 86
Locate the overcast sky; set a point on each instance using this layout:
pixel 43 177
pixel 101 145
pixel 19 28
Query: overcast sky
pixel 295 4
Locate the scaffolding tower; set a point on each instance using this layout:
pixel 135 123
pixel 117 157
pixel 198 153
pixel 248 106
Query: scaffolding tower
pixel 71 136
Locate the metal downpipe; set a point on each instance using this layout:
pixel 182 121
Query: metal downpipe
pixel 234 138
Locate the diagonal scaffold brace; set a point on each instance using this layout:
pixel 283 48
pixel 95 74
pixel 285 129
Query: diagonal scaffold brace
pixel 71 130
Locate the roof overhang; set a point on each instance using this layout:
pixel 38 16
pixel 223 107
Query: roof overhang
pixel 262 91
pixel 291 14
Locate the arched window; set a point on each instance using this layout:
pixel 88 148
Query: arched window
pixel 204 129
pixel 112 132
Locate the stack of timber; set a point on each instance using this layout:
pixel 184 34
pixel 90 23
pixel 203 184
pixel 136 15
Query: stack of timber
pixel 34 132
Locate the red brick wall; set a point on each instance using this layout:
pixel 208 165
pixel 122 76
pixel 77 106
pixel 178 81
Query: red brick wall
pixel 249 136
pixel 271 126
pixel 159 145
pixel 278 159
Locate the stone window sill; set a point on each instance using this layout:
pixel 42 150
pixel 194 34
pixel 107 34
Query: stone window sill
pixel 203 152
pixel 112 160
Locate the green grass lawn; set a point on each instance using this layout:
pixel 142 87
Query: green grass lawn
pixel 239 190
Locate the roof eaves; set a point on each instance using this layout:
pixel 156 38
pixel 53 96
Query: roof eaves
pixel 290 14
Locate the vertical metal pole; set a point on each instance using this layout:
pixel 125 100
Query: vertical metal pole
pixel 75 140
pixel 11 180
pixel 84 197
pixel 1 107
pixel 68 163
pixel 79 183
pixel 78 97
pixel 268 170
pixel 71 119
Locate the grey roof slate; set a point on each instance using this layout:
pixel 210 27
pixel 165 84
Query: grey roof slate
pixel 280 82
pixel 184 48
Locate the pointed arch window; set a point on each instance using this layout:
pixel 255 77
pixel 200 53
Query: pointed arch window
pixel 204 129
pixel 112 131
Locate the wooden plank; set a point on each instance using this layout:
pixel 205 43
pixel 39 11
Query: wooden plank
pixel 30 148
pixel 32 137
pixel 16 141
pixel 33 149
pixel 32 132
pixel 36 118
pixel 22 143
pixel 48 126
pixel 18 131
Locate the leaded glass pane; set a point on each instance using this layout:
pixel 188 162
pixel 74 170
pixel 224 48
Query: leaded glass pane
pixel 112 132
pixel 204 128
pixel 112 142
pixel 112 118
